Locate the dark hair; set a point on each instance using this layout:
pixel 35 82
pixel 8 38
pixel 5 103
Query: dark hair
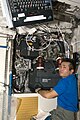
pixel 72 64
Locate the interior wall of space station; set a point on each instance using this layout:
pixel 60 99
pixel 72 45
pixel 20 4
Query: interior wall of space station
pixel 2 59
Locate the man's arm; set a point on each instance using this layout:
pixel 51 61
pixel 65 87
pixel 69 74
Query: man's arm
pixel 48 93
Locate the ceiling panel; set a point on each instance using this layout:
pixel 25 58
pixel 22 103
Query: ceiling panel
pixel 72 2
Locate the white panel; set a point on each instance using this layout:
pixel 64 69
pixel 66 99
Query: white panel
pixel 6 13
pixel 47 104
pixel 2 58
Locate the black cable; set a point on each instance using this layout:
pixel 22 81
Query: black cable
pixel 4 84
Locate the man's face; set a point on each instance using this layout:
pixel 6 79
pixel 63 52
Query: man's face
pixel 64 70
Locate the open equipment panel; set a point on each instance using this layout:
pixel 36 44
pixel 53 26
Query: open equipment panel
pixel 34 61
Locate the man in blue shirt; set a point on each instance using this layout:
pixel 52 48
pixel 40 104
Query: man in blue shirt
pixel 66 92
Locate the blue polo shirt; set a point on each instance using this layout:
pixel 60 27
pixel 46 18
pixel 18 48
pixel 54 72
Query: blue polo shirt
pixel 67 90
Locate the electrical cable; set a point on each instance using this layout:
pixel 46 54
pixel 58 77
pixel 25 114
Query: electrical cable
pixel 4 84
pixel 75 42
pixel 65 42
pixel 33 49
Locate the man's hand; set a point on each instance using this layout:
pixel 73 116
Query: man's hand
pixel 47 93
